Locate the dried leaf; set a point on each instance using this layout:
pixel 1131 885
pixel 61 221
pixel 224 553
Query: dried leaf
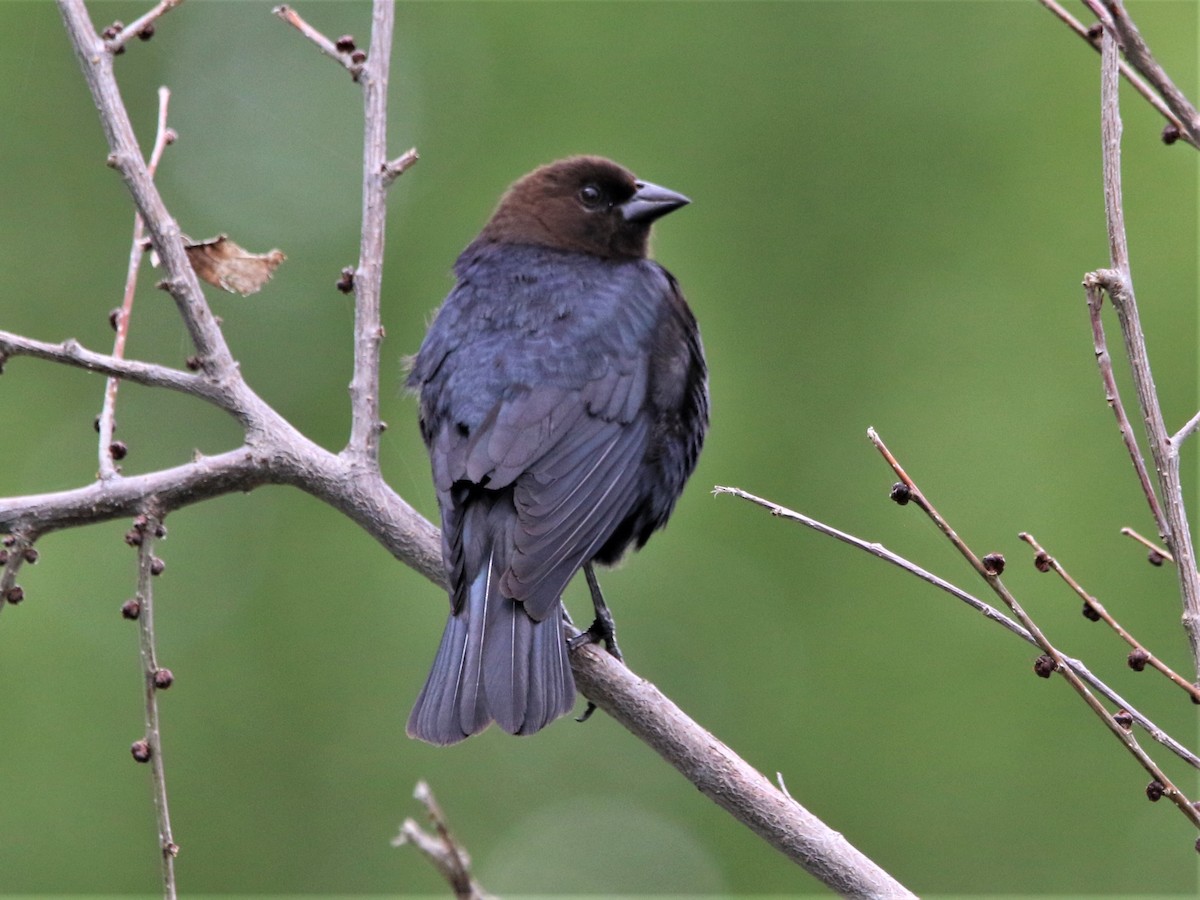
pixel 224 264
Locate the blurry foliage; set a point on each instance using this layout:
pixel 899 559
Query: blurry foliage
pixel 894 204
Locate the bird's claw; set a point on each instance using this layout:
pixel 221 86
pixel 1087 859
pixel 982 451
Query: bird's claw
pixel 600 631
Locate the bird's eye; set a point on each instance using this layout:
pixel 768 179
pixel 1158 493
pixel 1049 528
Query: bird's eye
pixel 590 196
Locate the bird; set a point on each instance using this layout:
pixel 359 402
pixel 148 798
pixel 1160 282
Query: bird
pixel 563 399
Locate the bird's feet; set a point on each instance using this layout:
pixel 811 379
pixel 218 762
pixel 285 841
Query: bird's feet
pixel 603 630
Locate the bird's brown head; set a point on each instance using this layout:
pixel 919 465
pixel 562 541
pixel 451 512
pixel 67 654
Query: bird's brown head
pixel 585 204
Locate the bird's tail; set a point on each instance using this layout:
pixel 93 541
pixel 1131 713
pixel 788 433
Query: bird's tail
pixel 494 663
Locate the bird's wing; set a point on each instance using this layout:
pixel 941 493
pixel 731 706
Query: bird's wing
pixel 573 461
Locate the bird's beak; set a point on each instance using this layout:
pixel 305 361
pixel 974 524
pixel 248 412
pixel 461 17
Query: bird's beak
pixel 651 202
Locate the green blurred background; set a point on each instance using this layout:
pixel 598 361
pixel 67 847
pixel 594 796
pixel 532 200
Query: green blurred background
pixel 894 204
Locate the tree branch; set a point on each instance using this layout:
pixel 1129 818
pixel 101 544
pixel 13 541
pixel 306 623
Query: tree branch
pixel 368 277
pixel 991 574
pixel 989 612
pixel 1139 55
pixel 727 779
pixel 96 60
pixel 1091 36
pixel 107 421
pixel 1117 282
pixel 442 849
pixel 146 530
pixel 71 353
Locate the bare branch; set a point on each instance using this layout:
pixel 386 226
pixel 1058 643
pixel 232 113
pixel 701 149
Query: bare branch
pixel 1117 282
pixel 990 612
pixel 17 549
pixel 727 779
pixel 1157 553
pixel 1185 432
pixel 71 353
pixel 346 58
pixel 442 849
pixel 1140 653
pixel 394 168
pixel 1139 84
pixel 147 530
pixel 368 277
pixel 1138 54
pixel 1095 300
pixel 107 421
pixel 991 574
pixel 138 26
pixel 96 61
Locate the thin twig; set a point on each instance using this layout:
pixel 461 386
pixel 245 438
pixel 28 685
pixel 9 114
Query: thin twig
pixel 1139 84
pixel 16 549
pixel 1186 431
pixel 139 25
pixel 992 576
pixel 107 421
pixel 96 62
pixel 1138 54
pixel 1117 282
pixel 365 425
pixel 988 611
pixel 394 168
pixel 442 849
pixel 324 44
pixel 1143 655
pixel 71 353
pixel 1095 298
pixel 1156 550
pixel 148 529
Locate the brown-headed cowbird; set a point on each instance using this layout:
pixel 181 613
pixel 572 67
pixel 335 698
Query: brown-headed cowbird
pixel 564 399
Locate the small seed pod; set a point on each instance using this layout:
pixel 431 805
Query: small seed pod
pixel 1154 791
pixel 1044 666
pixel 1041 561
pixel 1138 659
pixel 993 563
pixel 140 751
pixel 1089 612
pixel 163 679
pixel 131 609
pixel 901 493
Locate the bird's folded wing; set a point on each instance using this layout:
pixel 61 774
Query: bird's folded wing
pixel 573 459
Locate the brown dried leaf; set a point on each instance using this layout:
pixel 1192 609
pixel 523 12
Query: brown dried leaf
pixel 224 264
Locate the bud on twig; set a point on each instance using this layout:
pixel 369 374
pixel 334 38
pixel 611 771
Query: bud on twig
pixel 993 563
